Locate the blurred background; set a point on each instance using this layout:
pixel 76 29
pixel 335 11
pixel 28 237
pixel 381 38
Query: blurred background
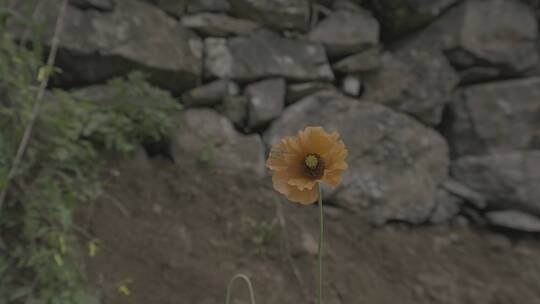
pixel 133 138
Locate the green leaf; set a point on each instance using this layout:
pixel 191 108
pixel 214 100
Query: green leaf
pixel 20 293
pixel 84 298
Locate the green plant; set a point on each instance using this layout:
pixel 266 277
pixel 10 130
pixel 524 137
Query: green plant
pixel 39 249
pixel 133 112
pixel 207 157
pixel 263 233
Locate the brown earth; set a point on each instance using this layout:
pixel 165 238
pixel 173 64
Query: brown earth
pixel 176 233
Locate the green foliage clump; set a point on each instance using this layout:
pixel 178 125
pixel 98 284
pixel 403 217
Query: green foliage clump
pixel 39 249
pixel 131 112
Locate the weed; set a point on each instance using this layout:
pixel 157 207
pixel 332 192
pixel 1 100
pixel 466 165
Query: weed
pixel 62 168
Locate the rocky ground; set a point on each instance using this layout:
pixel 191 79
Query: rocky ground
pixel 438 103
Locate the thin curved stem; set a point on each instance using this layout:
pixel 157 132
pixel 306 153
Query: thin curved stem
pixel 37 105
pixel 321 240
pixel 248 282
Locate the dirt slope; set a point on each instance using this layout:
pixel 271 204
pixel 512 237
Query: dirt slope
pixel 176 233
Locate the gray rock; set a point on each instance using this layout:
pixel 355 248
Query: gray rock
pixel 266 100
pixel 174 7
pixel 297 91
pixel 352 85
pixel 474 215
pixel 448 206
pixel 508 180
pixel 467 194
pixel 210 94
pixel 235 108
pixel 476 74
pixel 498 34
pixel 218 25
pixel 308 246
pixel 362 62
pixel 462 221
pixel 346 32
pixel 105 5
pixel 112 95
pixel 97 46
pixel 495 117
pixel 211 140
pixel 535 142
pixel 200 6
pixel 401 16
pixel 413 81
pixel 326 3
pixel 514 219
pixel 344 5
pixel 395 163
pixel 241 58
pixel 277 14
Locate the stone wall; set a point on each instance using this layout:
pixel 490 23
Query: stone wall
pixel 438 101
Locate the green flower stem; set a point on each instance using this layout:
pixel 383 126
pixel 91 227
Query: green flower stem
pixel 321 240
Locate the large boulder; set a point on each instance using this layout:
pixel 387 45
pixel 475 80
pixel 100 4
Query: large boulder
pixel 266 100
pixel 277 14
pixel 266 54
pixel 346 32
pixel 510 180
pixel 401 16
pixel 414 81
pixel 495 117
pixel 210 140
pixel 395 163
pixel 485 39
pixel 96 46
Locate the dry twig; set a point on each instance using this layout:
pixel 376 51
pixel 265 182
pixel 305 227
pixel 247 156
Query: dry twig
pixel 37 106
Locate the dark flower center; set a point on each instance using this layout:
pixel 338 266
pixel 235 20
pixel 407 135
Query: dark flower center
pixel 313 166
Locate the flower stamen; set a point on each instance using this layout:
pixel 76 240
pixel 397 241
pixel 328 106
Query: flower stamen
pixel 311 161
pixel 313 166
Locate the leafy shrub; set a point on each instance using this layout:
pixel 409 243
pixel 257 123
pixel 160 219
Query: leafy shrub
pixel 39 250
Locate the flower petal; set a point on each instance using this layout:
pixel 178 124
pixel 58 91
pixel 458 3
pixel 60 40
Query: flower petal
pixel 336 155
pixel 276 159
pixel 316 140
pixel 342 165
pixel 322 142
pixel 302 183
pixel 293 193
pixel 279 181
pixel 305 197
pixel 333 178
pixel 284 154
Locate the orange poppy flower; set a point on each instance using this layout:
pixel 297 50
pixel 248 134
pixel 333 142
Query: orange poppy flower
pixel 300 162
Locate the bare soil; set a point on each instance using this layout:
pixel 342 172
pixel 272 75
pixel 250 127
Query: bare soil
pixel 176 233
